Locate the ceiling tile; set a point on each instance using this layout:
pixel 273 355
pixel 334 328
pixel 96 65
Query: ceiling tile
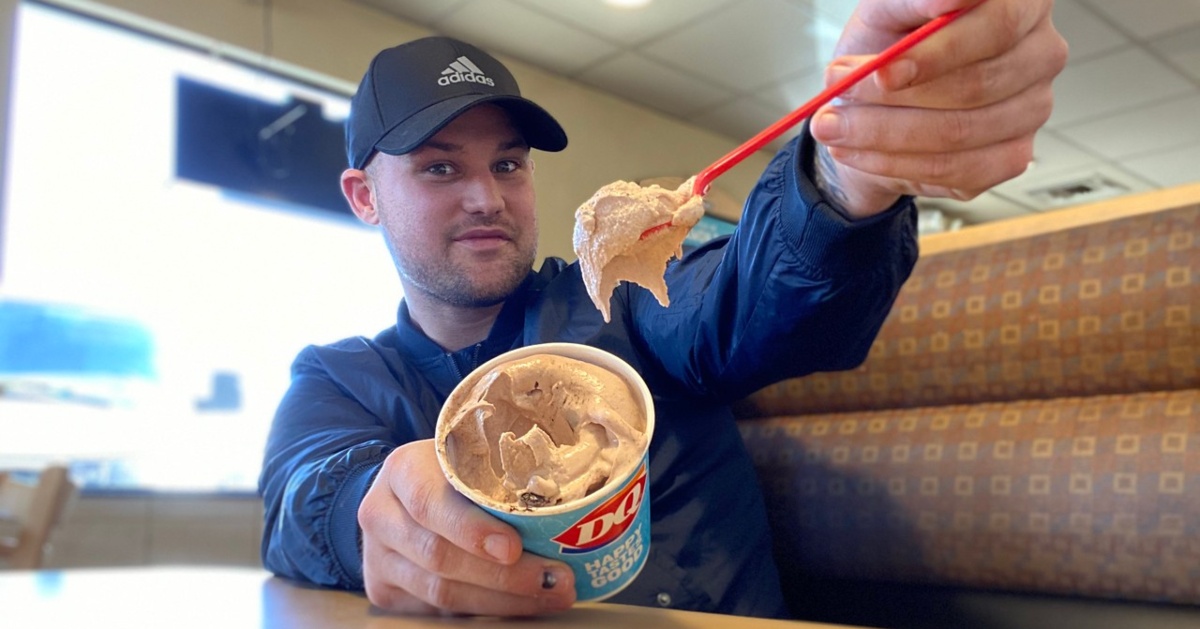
pixel 829 18
pixel 744 45
pixel 1086 33
pixel 1023 189
pixel 1168 168
pixel 790 93
pixel 835 12
pixel 1052 157
pixel 1124 108
pixel 512 29
pixel 653 84
pixel 984 208
pixel 1165 125
pixel 423 12
pixel 1182 49
pixel 739 120
pixel 626 26
pixel 1050 152
pixel 1149 18
pixel 1113 83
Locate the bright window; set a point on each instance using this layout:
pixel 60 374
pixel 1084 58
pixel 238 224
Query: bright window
pixel 148 322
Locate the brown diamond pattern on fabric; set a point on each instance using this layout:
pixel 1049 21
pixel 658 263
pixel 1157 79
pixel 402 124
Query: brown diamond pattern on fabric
pixel 1026 420
pixel 1088 311
pixel 1106 489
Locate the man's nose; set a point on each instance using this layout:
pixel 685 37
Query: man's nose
pixel 483 195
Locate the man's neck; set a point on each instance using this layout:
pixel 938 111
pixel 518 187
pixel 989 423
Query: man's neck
pixel 451 327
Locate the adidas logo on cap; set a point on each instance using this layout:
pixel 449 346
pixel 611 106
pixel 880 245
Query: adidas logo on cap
pixel 461 70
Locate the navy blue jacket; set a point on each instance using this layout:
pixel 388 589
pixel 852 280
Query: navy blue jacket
pixel 797 288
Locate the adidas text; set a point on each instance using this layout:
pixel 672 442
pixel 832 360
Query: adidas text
pixel 469 78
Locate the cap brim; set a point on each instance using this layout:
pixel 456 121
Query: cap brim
pixel 536 125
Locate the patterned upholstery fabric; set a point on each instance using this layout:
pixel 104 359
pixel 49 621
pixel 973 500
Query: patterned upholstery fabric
pixel 1093 496
pixel 1108 308
pixel 1028 420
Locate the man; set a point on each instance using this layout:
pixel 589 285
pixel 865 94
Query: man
pixel 353 493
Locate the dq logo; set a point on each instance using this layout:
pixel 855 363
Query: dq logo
pixel 606 522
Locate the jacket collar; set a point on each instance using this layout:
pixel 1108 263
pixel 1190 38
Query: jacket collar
pixel 505 334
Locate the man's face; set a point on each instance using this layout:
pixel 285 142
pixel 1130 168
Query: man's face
pixel 458 212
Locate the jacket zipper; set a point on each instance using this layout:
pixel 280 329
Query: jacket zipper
pixel 474 361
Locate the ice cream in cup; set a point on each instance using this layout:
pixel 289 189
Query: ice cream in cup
pixel 554 440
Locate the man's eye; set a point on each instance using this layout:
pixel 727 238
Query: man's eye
pixel 508 166
pixel 440 169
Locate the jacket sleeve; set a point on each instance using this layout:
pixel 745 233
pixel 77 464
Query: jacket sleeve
pixel 322 454
pixel 797 288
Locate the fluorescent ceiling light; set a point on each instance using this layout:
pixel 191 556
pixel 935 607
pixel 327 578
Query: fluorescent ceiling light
pixel 627 4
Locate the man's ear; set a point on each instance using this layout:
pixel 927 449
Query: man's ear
pixel 357 191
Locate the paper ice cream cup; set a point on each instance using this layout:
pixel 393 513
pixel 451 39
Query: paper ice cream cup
pixel 605 536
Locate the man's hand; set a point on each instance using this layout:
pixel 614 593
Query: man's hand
pixel 429 550
pixel 952 117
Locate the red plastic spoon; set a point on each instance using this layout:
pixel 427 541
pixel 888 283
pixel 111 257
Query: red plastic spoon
pixel 706 176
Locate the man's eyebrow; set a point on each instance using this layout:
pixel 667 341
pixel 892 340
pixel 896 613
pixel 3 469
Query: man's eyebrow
pixel 516 143
pixel 441 146
pixel 449 147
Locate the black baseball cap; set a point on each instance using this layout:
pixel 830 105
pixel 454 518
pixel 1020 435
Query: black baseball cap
pixel 411 91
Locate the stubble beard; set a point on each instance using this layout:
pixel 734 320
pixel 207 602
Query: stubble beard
pixel 454 282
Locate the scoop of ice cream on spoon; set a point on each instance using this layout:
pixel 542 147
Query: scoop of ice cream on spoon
pixel 627 232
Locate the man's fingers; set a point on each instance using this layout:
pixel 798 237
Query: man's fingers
pixel 984 32
pixel 961 175
pixel 445 534
pixel 435 505
pixel 993 29
pixel 898 17
pixel 1037 58
pixel 427 549
pixel 885 129
pixel 380 568
pixel 955 114
pixel 531 575
pixel 405 587
pixel 1041 56
pixel 877 24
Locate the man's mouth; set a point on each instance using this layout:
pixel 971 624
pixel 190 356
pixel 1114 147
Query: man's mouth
pixel 483 237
